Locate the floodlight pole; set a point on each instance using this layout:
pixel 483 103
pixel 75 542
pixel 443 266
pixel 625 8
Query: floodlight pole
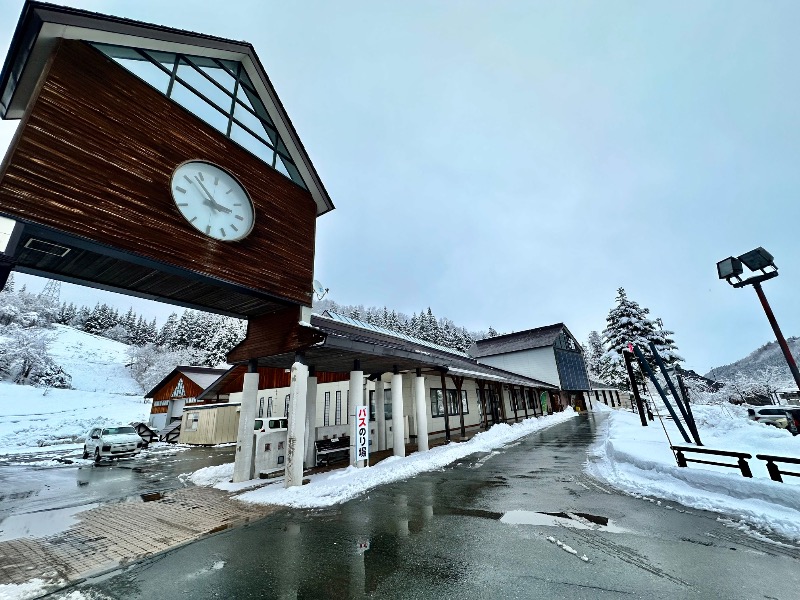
pixel 781 340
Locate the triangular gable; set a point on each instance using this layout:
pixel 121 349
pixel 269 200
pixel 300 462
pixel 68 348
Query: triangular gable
pixel 42 25
pixel 180 390
pixel 216 91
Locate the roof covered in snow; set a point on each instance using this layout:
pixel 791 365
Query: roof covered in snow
pixel 202 376
pixel 539 337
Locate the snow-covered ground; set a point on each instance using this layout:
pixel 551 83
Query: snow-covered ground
pixel 104 394
pixel 638 460
pixel 338 486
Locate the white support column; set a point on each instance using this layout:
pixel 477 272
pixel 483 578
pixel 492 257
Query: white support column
pixel 422 413
pixel 398 429
pixel 311 420
pixel 380 415
pixel 243 464
pixel 295 437
pixel 356 401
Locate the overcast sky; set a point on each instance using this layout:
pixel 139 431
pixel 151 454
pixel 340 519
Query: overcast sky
pixel 513 163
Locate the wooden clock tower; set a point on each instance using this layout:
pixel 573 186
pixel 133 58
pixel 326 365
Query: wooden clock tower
pixel 158 163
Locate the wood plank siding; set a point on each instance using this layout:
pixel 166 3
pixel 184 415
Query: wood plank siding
pixel 191 389
pixel 93 159
pixel 274 334
pixel 271 378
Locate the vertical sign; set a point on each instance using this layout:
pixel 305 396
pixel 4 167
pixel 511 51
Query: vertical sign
pixel 362 433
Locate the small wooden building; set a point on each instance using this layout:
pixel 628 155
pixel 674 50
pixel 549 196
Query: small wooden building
pixel 180 388
pixel 210 424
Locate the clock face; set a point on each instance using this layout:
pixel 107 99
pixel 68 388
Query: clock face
pixel 212 200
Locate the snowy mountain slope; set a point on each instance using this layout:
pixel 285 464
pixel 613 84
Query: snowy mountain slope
pixel 95 363
pixel 32 417
pixel 104 394
pixel 768 355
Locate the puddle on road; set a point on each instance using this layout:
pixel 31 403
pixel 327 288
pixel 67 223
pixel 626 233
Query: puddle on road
pixel 40 524
pixel 562 519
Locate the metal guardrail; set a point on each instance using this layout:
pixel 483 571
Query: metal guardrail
pixel 774 472
pixel 741 463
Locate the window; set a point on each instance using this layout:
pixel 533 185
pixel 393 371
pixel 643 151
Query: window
pixel 260 413
pixel 217 91
pixel 192 421
pixel 387 404
pixel 326 411
pixel 437 408
pixel 280 460
pixel 280 445
pixel 347 414
pixel 337 418
pixel 269 407
pixel 372 405
pixel 286 406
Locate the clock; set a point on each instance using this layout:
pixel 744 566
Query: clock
pixel 212 201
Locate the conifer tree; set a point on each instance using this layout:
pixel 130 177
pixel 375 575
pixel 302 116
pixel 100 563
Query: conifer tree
pixel 594 352
pixel 166 337
pixel 626 323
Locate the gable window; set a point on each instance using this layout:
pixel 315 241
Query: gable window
pixel 218 92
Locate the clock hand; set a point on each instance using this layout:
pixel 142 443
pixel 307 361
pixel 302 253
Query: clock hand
pixel 211 202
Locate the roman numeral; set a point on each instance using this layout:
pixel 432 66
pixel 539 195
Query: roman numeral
pixel 186 177
pixel 216 180
pixel 193 219
pixel 208 229
pixel 222 231
pixel 234 227
pixel 240 217
pixel 180 189
pixel 228 192
pixel 183 204
pixel 238 204
pixel 200 175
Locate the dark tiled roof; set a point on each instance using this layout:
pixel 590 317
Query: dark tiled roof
pixel 513 342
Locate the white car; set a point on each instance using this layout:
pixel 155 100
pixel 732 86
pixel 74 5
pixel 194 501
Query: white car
pixel 770 415
pixel 112 442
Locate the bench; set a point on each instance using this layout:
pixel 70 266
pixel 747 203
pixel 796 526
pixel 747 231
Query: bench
pixel 774 472
pixel 333 450
pixel 741 464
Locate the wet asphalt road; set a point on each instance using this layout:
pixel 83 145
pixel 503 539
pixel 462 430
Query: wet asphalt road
pixel 36 490
pixel 440 535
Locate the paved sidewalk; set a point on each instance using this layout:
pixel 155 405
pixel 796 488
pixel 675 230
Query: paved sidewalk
pixel 116 534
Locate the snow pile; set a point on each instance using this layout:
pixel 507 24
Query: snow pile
pixel 210 476
pixel 34 588
pixel 339 486
pixel 638 460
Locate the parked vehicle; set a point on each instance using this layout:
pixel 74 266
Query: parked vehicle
pixel 793 418
pixel 112 442
pixel 770 415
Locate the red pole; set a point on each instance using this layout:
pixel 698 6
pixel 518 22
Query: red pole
pixel 781 340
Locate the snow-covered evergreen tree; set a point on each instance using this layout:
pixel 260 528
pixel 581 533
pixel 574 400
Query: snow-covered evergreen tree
pixel 665 345
pixel 594 352
pixel 626 323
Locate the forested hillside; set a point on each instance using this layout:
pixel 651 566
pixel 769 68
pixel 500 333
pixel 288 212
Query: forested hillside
pixel 768 355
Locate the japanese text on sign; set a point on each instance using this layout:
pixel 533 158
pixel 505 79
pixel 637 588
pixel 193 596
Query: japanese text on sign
pixel 362 433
